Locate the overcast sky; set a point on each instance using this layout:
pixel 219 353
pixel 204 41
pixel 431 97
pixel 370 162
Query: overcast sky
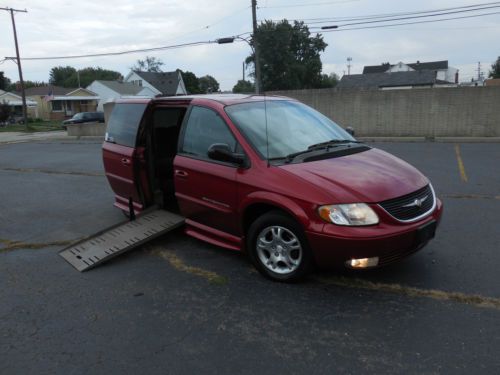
pixel 67 27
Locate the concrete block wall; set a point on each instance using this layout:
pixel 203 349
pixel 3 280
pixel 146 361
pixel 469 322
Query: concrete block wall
pixel 429 112
pixel 87 129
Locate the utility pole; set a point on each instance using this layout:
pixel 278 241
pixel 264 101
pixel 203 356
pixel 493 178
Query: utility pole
pixel 23 93
pixel 349 59
pixel 256 48
pixel 243 70
pixel 479 70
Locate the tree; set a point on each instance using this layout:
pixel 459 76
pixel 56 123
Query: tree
pixel 289 55
pixel 16 86
pixel 328 81
pixel 191 82
pixel 59 75
pixel 495 69
pixel 243 87
pixel 5 111
pixel 89 75
pixel 149 64
pixel 69 77
pixel 4 82
pixel 208 84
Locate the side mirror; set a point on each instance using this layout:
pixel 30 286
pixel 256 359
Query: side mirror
pixel 350 130
pixel 222 152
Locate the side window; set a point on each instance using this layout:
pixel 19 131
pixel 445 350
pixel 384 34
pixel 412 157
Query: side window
pixel 124 123
pixel 204 128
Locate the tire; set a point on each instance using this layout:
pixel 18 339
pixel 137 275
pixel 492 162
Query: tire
pixel 278 247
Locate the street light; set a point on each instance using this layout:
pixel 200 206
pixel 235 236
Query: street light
pixel 231 39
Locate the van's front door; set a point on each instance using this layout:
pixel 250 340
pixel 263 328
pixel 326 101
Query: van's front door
pixel 123 160
pixel 206 190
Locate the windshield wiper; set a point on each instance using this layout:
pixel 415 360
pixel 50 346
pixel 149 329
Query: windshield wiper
pixel 318 146
pixel 330 143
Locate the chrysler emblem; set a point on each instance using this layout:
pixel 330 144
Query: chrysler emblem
pixel 417 202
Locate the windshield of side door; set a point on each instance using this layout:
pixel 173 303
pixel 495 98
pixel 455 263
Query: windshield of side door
pixel 291 126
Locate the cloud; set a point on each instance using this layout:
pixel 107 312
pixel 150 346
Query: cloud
pixel 62 27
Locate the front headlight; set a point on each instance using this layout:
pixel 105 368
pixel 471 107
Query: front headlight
pixel 354 214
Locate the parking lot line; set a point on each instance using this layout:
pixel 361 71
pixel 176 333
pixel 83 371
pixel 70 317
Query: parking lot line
pixel 357 283
pixel 179 265
pixel 8 245
pixel 461 168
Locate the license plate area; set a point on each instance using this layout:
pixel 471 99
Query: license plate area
pixel 426 232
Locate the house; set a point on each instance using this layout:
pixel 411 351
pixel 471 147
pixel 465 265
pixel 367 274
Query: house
pixel 444 72
pixel 492 82
pixel 386 81
pixel 401 75
pixel 15 101
pixel 112 90
pixel 58 103
pixel 162 83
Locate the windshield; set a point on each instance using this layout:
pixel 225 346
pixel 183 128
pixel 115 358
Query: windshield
pixel 291 126
pixel 78 116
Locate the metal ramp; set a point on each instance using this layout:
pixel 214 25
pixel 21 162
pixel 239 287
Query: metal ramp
pixel 116 240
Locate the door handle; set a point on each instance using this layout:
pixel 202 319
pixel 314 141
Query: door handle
pixel 181 174
pixel 125 161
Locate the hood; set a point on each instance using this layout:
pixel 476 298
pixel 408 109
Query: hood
pixel 370 176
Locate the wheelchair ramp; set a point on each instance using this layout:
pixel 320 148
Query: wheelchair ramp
pixel 111 242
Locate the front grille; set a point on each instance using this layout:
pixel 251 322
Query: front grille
pixel 411 206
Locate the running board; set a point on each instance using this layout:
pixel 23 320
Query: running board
pixel 116 240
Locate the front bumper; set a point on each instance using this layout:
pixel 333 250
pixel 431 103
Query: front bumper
pixel 335 245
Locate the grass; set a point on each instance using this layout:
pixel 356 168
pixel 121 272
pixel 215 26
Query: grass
pixel 33 127
pixel 178 264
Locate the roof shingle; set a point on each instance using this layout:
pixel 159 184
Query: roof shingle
pixel 166 82
pixel 396 79
pixel 123 88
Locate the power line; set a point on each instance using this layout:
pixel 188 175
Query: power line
pixel 388 15
pixel 419 16
pixel 341 27
pixel 309 4
pixel 410 23
pixel 120 52
pixel 212 24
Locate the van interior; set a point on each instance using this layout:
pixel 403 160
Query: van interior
pixel 162 141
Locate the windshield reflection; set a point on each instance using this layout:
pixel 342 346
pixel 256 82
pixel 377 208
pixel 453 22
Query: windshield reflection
pixel 291 126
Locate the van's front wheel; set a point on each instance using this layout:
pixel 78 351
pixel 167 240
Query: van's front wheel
pixel 278 248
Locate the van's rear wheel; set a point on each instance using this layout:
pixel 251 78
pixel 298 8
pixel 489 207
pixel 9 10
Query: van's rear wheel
pixel 278 248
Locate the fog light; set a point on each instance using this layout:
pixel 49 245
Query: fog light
pixel 362 262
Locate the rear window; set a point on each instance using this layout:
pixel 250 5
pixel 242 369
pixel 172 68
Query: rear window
pixel 124 123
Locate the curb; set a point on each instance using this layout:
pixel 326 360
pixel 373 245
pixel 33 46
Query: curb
pixel 25 138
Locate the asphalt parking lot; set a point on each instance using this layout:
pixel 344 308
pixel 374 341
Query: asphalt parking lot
pixel 180 306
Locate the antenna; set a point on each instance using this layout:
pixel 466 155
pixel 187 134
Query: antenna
pixel 349 60
pixel 267 134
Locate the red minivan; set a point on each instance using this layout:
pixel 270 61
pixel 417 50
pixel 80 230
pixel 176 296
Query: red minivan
pixel 269 176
